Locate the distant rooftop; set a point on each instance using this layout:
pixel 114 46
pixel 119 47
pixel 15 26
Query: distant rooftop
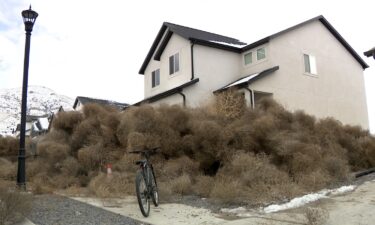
pixel 86 100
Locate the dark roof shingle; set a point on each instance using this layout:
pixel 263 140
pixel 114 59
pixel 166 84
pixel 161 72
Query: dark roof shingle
pixel 228 43
pixel 86 100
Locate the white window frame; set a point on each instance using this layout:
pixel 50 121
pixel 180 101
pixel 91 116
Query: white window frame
pixel 251 58
pixel 174 64
pixel 155 78
pixel 311 68
pixel 254 53
pixel 265 53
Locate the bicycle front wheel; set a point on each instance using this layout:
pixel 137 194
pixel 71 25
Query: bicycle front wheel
pixel 154 189
pixel 142 194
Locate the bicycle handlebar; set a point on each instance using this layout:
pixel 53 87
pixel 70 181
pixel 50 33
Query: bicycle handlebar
pixel 145 151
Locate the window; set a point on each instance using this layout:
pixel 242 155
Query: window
pixel 310 64
pixel 248 57
pixel 174 64
pixel 155 78
pixel 261 53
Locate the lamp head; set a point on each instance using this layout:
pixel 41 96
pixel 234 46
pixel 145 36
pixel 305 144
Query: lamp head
pixel 29 16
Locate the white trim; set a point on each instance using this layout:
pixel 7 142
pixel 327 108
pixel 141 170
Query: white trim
pixel 311 56
pixel 255 60
pixel 179 64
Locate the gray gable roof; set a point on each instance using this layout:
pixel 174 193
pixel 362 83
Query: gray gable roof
pixel 195 34
pixel 86 100
pixel 227 43
pixel 370 53
pixel 246 80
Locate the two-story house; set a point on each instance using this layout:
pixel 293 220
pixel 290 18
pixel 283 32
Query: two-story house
pixel 306 67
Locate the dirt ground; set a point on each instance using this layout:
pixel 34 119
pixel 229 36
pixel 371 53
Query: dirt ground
pixel 356 207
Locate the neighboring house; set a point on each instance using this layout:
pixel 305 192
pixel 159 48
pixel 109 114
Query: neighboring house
pixel 35 126
pixel 370 53
pixel 308 66
pixel 53 116
pixel 81 101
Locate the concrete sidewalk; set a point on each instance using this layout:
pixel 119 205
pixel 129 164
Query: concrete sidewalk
pixel 26 222
pixel 356 207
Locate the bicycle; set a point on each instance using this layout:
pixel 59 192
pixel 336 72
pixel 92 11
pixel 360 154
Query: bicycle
pixel 145 182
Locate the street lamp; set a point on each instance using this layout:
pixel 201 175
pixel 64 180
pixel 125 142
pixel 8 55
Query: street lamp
pixel 29 17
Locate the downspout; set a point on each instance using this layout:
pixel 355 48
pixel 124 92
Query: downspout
pixel 192 60
pixel 252 99
pixel 183 98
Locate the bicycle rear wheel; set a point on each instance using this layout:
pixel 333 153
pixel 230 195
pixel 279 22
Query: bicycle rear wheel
pixel 154 189
pixel 142 194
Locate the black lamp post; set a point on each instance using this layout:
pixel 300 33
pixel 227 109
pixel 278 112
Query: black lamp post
pixel 29 17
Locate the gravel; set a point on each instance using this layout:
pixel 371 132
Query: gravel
pixel 59 210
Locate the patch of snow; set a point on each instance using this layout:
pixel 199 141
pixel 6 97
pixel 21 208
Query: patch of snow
pixel 300 201
pixel 234 210
pixel 228 44
pixel 44 123
pixel 343 189
pixel 240 81
pixel 40 101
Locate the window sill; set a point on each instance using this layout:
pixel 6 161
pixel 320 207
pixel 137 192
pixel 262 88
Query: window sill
pixel 174 74
pixel 155 88
pixel 255 63
pixel 310 74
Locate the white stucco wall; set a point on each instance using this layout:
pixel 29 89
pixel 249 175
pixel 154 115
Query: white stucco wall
pixel 176 44
pixel 337 90
pixel 215 68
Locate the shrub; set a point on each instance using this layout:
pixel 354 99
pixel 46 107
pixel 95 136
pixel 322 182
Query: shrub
pixel 90 157
pixel 203 185
pixel 225 151
pixel 181 185
pixel 8 146
pixel 7 169
pixel 67 121
pixel 178 167
pixel 53 151
pixel 316 216
pixel 14 205
pixel 231 104
pixel 227 190
pixel 116 185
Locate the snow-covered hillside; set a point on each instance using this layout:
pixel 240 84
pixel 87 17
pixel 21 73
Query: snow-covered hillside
pixel 40 101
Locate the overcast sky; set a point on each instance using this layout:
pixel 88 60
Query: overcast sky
pixel 95 48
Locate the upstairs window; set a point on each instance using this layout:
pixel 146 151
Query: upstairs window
pixel 261 53
pixel 174 64
pixel 155 78
pixel 248 57
pixel 310 64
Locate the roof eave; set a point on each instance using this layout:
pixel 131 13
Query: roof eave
pixel 154 45
pixel 215 45
pixel 343 42
pixel 166 93
pixel 255 44
pixel 246 83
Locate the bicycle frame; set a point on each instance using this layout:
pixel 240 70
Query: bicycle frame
pixel 145 166
pixel 146 175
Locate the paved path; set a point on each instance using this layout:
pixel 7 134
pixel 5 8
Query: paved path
pixel 356 207
pixel 59 210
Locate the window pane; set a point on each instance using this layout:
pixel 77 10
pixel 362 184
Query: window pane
pixel 306 58
pixel 157 77
pixel 313 65
pixel 248 58
pixel 153 79
pixel 261 53
pixel 176 62
pixel 171 62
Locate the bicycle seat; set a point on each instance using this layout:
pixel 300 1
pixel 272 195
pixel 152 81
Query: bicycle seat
pixel 141 161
